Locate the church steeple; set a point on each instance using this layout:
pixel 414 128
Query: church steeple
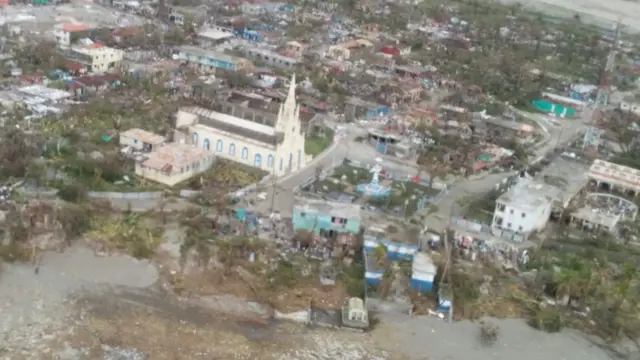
pixel 292 89
pixel 288 113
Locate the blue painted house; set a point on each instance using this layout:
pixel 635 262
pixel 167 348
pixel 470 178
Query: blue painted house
pixel 249 35
pixel 359 109
pixel 325 217
pixel 207 60
pixel 423 270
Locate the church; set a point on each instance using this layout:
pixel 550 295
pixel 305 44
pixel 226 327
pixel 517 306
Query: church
pixel 250 130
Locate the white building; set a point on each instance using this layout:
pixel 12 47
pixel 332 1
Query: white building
pixel 609 175
pixel 66 34
pixel 95 57
pixel 630 107
pixel 174 163
pixel 524 208
pixel 250 135
pixel 141 140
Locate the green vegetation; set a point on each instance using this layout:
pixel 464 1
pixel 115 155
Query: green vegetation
pixel 127 232
pixel 609 290
pixel 481 209
pixel 316 144
pixel 405 198
pixel 353 278
pixel 227 175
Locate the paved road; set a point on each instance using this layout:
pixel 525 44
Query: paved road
pixel 281 197
pixel 475 186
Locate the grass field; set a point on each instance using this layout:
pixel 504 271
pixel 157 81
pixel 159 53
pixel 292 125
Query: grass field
pixel 314 145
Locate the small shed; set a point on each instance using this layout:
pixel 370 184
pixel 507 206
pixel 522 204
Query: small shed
pixel 423 273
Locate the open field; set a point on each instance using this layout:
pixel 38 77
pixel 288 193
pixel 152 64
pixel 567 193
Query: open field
pixel 603 14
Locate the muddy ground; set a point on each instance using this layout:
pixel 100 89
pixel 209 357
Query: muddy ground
pixel 83 306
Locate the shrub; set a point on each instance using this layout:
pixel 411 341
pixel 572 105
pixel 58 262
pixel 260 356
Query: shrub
pixel 72 192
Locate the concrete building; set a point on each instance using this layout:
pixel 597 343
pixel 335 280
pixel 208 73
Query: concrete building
pixel 68 33
pixel 421 279
pixel 295 49
pixel 253 9
pixel 95 57
pixel 326 218
pixel 630 107
pixel 141 140
pixel 209 61
pixel 608 176
pixel 524 208
pixel 215 35
pixel 567 173
pixel 354 314
pixel 254 134
pixel 271 58
pixel 174 163
pixel 43 19
pixel 423 273
pixel 358 109
pixel 603 212
pixel 501 127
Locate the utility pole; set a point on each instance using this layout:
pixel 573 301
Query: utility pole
pixel 273 192
pixel 592 135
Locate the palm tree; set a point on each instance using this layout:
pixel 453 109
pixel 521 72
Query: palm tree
pixel 573 279
pixel 380 254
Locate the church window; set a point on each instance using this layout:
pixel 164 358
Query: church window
pixel 257 161
pixel 299 158
pixel 219 146
pixel 195 138
pixel 232 149
pixel 270 161
pixel 206 144
pixel 281 163
pixel 245 153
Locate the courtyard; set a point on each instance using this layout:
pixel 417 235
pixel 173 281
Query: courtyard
pixel 404 194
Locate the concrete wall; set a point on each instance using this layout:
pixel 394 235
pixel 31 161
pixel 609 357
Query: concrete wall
pixel 125 195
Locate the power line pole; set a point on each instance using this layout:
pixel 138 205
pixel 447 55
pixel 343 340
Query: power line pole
pixel 592 135
pixel 274 190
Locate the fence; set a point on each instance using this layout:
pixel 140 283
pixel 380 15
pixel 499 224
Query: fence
pixel 155 195
pixel 234 194
pixel 189 193
pixel 470 225
pixel 45 192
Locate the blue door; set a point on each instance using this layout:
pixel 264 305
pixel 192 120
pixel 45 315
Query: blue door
pixel 299 158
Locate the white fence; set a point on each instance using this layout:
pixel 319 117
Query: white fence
pixel 470 225
pixel 45 192
pixel 155 195
pixel 234 194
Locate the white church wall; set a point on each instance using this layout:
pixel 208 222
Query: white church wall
pixel 288 157
pixel 232 147
pixel 293 145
